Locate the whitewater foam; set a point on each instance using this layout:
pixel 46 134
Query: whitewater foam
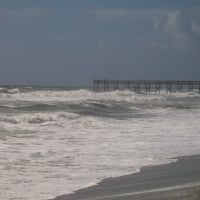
pixel 55 141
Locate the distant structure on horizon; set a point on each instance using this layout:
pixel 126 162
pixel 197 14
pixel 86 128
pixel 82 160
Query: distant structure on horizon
pixel 147 86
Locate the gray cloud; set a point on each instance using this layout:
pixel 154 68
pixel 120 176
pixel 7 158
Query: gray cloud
pixel 176 30
pixel 28 12
pixel 116 14
pixel 152 42
pixel 113 43
pixel 196 28
pixel 182 29
pixel 179 28
pixel 111 14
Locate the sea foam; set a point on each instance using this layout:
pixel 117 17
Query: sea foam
pixel 55 141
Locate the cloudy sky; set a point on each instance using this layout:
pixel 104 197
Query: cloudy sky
pixel 70 42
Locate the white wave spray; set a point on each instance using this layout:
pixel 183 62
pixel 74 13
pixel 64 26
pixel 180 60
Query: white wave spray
pixel 55 141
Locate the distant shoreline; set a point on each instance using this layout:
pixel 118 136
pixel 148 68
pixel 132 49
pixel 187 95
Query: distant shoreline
pixel 177 180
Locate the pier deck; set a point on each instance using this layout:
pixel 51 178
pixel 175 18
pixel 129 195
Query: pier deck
pixel 147 86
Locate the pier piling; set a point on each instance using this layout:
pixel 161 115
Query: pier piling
pixel 147 86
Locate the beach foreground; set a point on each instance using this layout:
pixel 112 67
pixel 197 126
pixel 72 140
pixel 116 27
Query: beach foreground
pixel 174 181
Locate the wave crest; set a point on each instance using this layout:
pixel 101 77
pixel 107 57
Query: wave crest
pixel 37 118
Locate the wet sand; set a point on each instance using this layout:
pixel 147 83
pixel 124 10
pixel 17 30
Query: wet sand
pixel 175 181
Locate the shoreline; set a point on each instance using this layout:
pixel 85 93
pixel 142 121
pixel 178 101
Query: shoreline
pixel 176 180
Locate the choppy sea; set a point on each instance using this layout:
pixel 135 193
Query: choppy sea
pixel 55 140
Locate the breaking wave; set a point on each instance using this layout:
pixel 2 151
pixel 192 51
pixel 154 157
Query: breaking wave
pixel 86 101
pixel 38 118
pixel 69 139
pixel 9 91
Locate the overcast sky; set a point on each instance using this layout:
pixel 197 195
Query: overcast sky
pixel 70 42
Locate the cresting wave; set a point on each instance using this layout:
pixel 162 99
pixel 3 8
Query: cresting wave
pixel 9 91
pixel 38 118
pixel 91 103
pixel 57 140
pixel 42 106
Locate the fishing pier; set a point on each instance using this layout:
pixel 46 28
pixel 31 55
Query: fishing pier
pixel 146 86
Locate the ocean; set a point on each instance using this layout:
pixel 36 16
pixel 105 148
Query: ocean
pixel 55 140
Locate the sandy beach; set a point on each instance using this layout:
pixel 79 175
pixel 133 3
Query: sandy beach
pixel 174 181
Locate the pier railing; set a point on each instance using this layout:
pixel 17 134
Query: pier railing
pixel 147 86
